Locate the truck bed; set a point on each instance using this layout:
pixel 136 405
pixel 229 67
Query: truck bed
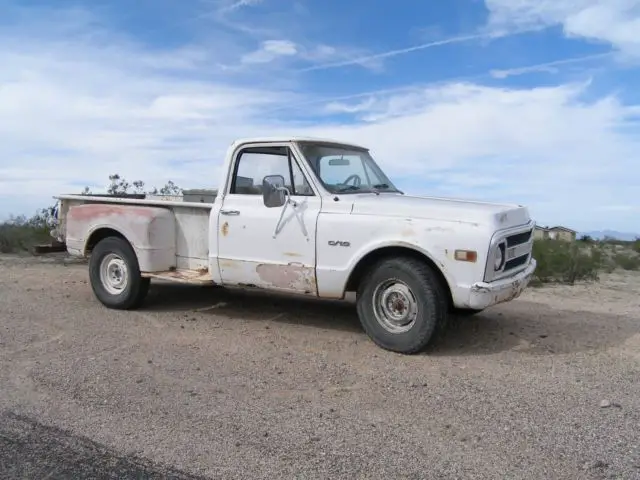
pixel 171 237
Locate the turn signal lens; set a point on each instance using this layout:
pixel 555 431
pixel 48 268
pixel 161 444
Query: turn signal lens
pixel 466 255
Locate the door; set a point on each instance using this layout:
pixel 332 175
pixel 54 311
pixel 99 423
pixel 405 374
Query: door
pixel 266 247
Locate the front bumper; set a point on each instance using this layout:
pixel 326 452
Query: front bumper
pixel 485 294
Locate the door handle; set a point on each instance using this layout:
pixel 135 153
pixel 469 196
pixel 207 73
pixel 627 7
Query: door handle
pixel 230 212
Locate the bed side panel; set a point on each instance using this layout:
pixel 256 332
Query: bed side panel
pixel 151 231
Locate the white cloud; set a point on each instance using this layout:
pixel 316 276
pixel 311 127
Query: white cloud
pixel 73 113
pixel 615 22
pixel 546 147
pixel 340 107
pixel 271 50
pixel 228 7
pixel 550 67
pixel 376 58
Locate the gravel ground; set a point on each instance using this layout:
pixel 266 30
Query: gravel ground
pixel 208 383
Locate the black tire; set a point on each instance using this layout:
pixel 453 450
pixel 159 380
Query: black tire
pixel 137 287
pixel 430 300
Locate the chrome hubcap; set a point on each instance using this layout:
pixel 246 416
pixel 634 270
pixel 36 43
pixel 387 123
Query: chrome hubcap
pixel 114 274
pixel 395 306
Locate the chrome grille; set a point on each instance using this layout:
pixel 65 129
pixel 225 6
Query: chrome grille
pixel 519 238
pixel 517 244
pixel 519 247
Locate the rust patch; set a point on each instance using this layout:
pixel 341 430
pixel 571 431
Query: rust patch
pixel 227 263
pixel 407 232
pixel 290 277
pixel 225 228
pixel 93 210
pixel 292 254
pixel 199 277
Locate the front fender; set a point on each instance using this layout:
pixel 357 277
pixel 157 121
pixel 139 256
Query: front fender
pixel 364 234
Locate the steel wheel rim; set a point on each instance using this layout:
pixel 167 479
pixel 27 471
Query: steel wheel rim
pixel 114 274
pixel 395 306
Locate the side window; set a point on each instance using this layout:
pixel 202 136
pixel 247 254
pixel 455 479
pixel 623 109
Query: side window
pixel 256 163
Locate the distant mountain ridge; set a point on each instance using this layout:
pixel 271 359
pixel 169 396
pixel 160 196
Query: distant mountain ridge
pixel 601 234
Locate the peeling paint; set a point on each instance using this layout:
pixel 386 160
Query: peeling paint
pixel 293 276
pixel 480 289
pixel 91 211
pixel 198 277
pixel 438 229
pixel 503 295
pixel 227 263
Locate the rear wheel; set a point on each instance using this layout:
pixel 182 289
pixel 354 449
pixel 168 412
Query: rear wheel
pixel 402 305
pixel 115 275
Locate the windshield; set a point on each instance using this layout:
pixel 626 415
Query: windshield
pixel 346 170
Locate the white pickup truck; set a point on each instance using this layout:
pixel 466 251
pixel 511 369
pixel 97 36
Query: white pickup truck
pixel 312 217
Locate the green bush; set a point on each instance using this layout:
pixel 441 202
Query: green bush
pixel 627 262
pixel 20 233
pixel 566 262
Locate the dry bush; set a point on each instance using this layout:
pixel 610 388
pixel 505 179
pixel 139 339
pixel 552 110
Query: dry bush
pixel 567 262
pixel 627 261
pixel 20 233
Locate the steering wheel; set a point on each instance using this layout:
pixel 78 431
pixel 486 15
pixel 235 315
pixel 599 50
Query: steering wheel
pixel 357 181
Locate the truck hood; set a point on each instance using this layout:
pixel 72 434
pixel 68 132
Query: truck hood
pixel 495 215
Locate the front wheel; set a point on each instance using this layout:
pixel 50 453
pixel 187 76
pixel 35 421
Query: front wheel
pixel 402 305
pixel 115 275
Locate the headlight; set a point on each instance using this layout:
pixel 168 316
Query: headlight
pixel 499 256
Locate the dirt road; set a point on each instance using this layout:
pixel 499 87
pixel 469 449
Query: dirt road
pixel 207 383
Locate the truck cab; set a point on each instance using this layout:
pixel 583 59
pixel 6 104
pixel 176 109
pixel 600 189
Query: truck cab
pixel 312 217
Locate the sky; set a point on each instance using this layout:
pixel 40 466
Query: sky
pixel 532 102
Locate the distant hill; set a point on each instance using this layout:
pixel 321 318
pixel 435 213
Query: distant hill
pixel 600 234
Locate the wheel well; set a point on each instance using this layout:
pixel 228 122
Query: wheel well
pixel 99 235
pixel 373 257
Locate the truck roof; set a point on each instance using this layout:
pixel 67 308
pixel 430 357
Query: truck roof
pixel 293 138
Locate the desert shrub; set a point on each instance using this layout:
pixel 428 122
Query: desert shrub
pixel 635 246
pixel 566 262
pixel 627 261
pixel 21 233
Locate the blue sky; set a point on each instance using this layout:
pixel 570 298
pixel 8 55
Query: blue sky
pixel 528 101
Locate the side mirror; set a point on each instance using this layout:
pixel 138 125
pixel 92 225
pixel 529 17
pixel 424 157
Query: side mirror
pixel 273 191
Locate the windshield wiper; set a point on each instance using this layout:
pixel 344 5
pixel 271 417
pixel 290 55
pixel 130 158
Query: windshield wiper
pixel 381 186
pixel 347 188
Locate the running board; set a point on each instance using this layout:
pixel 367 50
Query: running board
pixel 193 277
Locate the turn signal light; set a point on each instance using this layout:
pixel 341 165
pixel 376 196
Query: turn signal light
pixel 466 255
